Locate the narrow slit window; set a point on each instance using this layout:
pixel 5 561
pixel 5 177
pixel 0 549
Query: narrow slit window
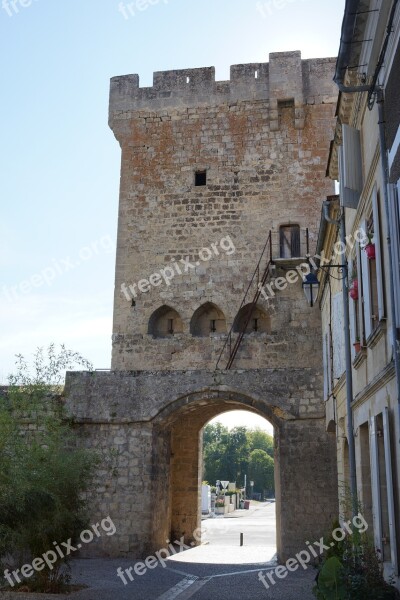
pixel 171 326
pixel 255 324
pixel 213 327
pixel 200 178
pixel 187 79
pixel 256 74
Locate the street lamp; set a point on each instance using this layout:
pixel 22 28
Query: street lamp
pixel 310 288
pixel 251 487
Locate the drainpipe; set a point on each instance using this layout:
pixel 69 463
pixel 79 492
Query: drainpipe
pixel 347 348
pixel 349 368
pixel 390 225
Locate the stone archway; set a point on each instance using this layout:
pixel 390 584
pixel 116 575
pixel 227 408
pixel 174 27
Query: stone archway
pixel 153 420
pixel 182 423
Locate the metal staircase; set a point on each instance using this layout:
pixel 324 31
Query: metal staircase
pixel 260 276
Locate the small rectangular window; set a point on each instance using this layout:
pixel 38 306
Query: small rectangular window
pixel 213 327
pixel 289 240
pixel 171 326
pixel 200 178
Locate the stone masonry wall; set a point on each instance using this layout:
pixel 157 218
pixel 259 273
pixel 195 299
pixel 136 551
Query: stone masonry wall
pixel 151 425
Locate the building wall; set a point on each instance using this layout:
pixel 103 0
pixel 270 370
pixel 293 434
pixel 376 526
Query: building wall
pixel 375 392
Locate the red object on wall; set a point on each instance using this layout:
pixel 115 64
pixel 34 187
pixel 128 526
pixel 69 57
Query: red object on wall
pixel 370 250
pixel 354 290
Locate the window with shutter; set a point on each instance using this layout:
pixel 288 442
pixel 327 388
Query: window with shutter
pixel 354 333
pixel 394 208
pixel 378 266
pixel 350 167
pixel 289 241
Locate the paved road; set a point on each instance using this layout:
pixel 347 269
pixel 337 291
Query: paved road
pixel 219 569
pixel 257 524
pixel 221 538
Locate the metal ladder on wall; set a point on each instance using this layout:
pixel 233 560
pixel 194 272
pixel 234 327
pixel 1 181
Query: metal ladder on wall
pixel 260 276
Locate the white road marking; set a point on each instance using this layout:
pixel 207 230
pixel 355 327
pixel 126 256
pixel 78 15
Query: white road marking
pixel 179 588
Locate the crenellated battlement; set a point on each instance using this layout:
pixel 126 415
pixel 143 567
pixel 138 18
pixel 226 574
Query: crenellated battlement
pixel 285 77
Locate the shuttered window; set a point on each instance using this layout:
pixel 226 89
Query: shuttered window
pixel 395 235
pixel 350 167
pixel 376 214
pixel 372 290
pixel 327 362
pixel 289 241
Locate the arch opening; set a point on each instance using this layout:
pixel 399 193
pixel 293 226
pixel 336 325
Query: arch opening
pixel 257 320
pixel 208 319
pixel 184 510
pixel 165 322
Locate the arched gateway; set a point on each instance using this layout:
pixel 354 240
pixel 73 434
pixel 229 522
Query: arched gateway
pixel 260 142
pixel 153 420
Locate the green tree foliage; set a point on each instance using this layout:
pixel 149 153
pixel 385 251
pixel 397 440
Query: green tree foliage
pixel 261 471
pixel 230 455
pixel 43 477
pixel 261 440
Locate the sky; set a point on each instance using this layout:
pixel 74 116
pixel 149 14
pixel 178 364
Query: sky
pixel 59 163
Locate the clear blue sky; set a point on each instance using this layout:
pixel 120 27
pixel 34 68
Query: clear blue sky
pixel 59 169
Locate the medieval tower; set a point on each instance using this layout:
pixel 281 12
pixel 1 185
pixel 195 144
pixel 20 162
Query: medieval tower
pixel 209 168
pixel 221 190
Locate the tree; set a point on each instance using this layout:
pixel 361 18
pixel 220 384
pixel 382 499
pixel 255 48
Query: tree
pixel 215 441
pixel 261 471
pixel 261 440
pixel 43 476
pixel 226 454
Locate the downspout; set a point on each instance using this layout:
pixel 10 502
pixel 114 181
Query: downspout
pixel 347 348
pixel 390 224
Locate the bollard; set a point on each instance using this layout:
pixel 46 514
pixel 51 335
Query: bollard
pixel 241 539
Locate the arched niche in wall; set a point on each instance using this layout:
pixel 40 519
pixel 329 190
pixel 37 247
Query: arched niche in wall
pixel 207 319
pixel 258 320
pixel 165 322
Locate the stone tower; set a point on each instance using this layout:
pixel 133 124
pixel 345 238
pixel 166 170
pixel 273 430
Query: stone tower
pixel 209 168
pixel 221 189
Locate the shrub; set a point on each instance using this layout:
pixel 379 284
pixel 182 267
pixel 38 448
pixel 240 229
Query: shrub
pixel 351 570
pixel 44 476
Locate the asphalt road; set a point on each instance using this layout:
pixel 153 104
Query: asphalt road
pixel 258 526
